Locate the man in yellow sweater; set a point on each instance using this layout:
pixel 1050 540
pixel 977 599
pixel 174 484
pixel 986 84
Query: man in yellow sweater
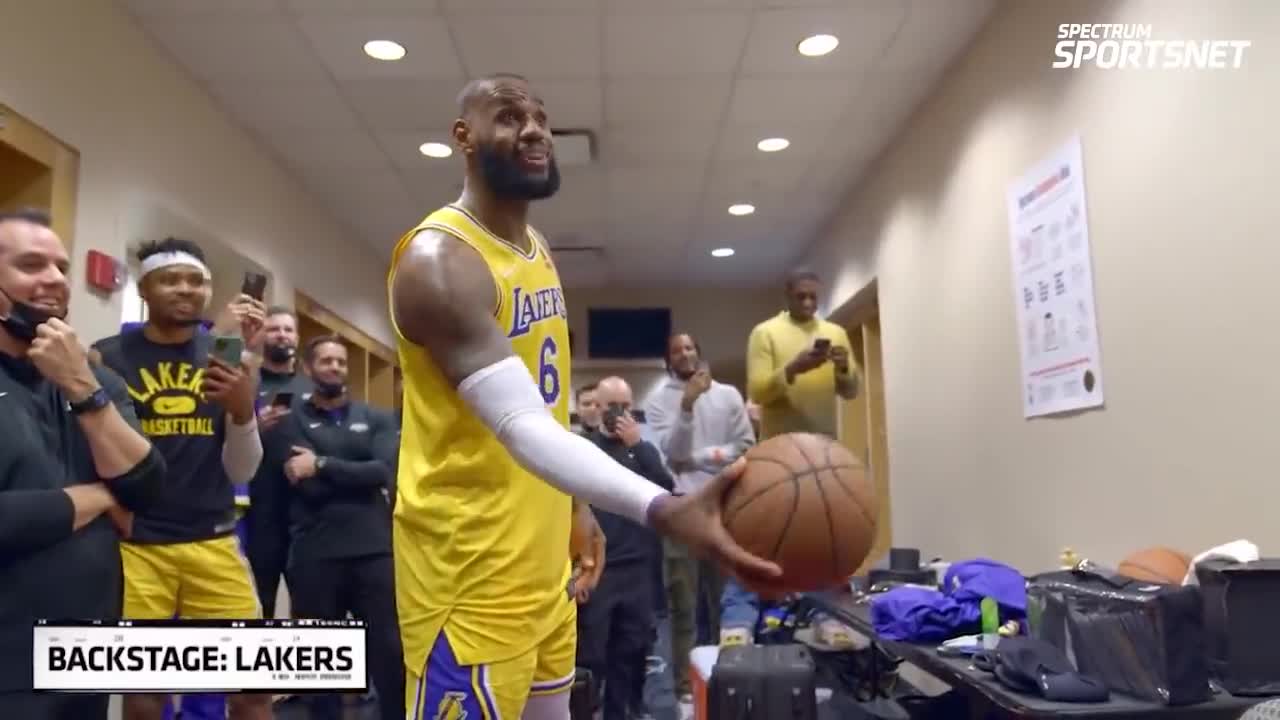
pixel 798 364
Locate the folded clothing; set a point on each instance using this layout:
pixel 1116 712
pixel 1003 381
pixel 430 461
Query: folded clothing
pixel 916 614
pixel 1033 666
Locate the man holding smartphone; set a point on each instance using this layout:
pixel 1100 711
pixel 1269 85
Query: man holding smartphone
pixel 279 384
pixel 195 402
pixel 799 365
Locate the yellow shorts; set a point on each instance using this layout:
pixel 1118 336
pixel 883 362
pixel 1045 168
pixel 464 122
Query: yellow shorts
pixel 447 690
pixel 205 579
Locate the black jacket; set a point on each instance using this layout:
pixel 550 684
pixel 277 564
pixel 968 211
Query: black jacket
pixel 344 510
pixel 629 542
pixel 268 515
pixel 47 570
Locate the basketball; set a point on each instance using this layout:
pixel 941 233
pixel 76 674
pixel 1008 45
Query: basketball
pixel 1157 564
pixel 806 503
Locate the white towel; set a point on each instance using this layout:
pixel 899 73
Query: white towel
pixel 1240 551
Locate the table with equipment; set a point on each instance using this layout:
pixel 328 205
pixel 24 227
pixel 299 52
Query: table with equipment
pixel 983 691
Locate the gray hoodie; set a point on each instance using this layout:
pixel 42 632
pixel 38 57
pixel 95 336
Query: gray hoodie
pixel 715 434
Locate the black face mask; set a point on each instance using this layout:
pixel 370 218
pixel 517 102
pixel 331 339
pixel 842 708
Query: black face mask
pixel 23 319
pixel 505 178
pixel 280 353
pixel 328 390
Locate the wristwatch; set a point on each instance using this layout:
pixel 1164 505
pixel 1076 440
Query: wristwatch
pixel 96 401
pixel 320 463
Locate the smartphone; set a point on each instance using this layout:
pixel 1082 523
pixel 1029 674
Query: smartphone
pixel 254 285
pixel 611 415
pixel 638 416
pixel 282 399
pixel 228 349
pixel 822 344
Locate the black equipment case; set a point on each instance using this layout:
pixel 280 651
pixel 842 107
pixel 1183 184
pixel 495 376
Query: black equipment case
pixel 763 682
pixel 1242 620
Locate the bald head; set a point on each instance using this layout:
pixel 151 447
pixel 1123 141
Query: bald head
pixel 484 87
pixel 614 390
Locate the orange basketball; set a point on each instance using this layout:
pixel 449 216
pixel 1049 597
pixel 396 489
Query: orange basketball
pixel 1157 564
pixel 806 503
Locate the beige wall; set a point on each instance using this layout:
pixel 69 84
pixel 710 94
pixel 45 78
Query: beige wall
pixel 152 144
pixel 1179 170
pixel 719 319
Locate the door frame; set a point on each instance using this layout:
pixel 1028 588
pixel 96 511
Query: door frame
pixel 860 316
pixel 62 161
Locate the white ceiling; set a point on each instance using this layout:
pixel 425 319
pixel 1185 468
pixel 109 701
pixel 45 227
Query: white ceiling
pixel 678 92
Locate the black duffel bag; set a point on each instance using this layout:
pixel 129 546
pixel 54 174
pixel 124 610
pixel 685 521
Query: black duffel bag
pixel 1142 639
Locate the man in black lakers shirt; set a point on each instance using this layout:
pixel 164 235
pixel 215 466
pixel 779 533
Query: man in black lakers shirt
pixel 70 450
pixel 181 556
pixel 336 457
pixel 268 514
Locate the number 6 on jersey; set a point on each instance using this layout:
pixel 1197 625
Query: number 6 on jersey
pixel 548 376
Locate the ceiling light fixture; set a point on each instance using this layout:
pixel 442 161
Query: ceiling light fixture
pixel 722 252
pixel 818 45
pixel 384 50
pixel 741 209
pixel 435 150
pixel 773 144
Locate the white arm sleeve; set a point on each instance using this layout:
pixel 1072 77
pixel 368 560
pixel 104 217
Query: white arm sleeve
pixel 241 451
pixel 504 396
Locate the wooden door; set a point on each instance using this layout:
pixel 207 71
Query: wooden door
pixel 38 171
pixel 877 437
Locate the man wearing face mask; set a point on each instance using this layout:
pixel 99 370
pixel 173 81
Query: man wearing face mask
pixel 336 457
pixel 268 515
pixel 72 450
pixel 181 556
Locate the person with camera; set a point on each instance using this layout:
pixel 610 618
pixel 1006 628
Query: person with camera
pixel 799 364
pixel 72 451
pixel 615 622
pixel 267 517
pixel 195 400
pixel 336 458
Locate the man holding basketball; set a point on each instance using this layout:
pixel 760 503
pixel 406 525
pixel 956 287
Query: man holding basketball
pixel 488 466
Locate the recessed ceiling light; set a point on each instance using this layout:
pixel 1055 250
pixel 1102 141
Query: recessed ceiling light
pixel 384 50
pixel 435 150
pixel 722 252
pixel 817 45
pixel 773 144
pixel 741 209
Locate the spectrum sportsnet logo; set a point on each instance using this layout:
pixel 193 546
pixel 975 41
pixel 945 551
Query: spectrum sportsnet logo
pixel 1130 47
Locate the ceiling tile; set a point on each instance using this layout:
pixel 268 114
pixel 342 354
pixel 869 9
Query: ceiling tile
pixel 339 42
pixel 892 96
pixel 644 208
pixel 647 6
pixel 649 146
pixel 281 104
pixel 334 150
pixel 307 7
pixel 200 8
pixel 864 27
pixel 933 35
pixel 572 104
pixel 669 102
pixel 777 99
pixel 674 44
pixel 402 147
pixel 581 198
pixel 365 184
pixel 631 181
pixel 204 46
pixel 757 181
pixel 559 45
pixel 459 7
pixel 404 104
pixel 806 134
pixel 433 186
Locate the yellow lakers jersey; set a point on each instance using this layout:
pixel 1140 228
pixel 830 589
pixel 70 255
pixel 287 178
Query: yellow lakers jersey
pixel 481 545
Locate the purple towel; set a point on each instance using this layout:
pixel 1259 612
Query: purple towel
pixel 916 614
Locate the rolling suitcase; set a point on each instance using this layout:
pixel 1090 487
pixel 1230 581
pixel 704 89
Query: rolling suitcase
pixel 763 682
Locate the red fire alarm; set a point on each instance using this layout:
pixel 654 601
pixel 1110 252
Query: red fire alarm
pixel 105 273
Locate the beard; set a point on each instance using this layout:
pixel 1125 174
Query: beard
pixel 503 175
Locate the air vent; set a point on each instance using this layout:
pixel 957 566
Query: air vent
pixel 574 148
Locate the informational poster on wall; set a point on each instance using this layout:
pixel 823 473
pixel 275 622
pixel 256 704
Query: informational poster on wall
pixel 1053 286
